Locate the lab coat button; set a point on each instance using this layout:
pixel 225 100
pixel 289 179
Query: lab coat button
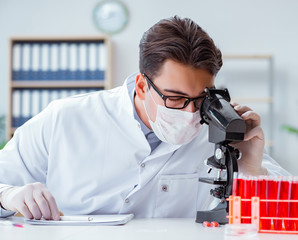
pixel 143 165
pixel 126 200
pixel 164 188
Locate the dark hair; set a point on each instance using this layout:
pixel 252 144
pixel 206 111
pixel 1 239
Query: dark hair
pixel 180 40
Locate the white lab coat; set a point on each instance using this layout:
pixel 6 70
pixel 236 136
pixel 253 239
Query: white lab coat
pixel 92 155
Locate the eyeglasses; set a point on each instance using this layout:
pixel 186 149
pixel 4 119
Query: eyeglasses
pixel 176 102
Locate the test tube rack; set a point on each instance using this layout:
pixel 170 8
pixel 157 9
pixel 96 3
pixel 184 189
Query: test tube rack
pixel 265 224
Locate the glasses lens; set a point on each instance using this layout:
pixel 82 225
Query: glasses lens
pixel 198 102
pixel 176 102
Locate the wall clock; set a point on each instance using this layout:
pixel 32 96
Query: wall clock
pixel 110 16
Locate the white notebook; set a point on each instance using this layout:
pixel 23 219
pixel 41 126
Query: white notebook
pixel 84 220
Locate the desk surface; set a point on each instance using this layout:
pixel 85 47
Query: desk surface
pixel 157 229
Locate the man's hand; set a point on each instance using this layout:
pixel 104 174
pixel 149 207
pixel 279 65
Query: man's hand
pixel 32 201
pixel 253 145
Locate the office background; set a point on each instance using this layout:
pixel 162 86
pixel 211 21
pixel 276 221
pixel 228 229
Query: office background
pixel 236 26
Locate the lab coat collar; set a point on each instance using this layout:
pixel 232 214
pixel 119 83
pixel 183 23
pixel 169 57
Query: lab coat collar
pixel 127 88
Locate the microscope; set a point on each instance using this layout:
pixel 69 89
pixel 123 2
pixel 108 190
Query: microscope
pixel 225 127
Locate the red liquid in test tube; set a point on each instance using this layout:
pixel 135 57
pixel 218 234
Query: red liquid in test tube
pixel 235 184
pixel 240 187
pixel 289 224
pixel 246 210
pixel 294 205
pixel 264 208
pixel 278 206
pixel 255 187
pixel 240 190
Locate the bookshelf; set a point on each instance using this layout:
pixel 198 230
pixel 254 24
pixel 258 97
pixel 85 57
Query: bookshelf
pixel 43 69
pixel 250 81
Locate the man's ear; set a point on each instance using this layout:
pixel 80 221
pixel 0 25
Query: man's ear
pixel 140 86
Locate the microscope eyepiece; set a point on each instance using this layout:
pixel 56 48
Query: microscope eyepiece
pixel 225 125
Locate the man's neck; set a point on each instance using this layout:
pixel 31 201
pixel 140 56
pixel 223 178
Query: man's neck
pixel 141 111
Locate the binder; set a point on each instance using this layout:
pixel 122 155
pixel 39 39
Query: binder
pixel 63 61
pixel 44 61
pixel 83 61
pixel 97 73
pixel 64 93
pixel 35 61
pixel 25 112
pixel 39 75
pixel 77 75
pixel 16 108
pixel 72 61
pixel 92 62
pixel 55 95
pixel 26 62
pixel 102 65
pixel 39 100
pixel 87 61
pixel 45 99
pixel 30 104
pixel 54 61
pixel 73 92
pixel 16 61
pixel 35 108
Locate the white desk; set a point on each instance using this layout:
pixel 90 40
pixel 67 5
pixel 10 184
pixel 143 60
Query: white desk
pixel 137 229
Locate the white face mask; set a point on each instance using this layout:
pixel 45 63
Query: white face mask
pixel 174 126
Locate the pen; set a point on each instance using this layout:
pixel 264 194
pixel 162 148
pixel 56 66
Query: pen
pixel 76 218
pixel 8 223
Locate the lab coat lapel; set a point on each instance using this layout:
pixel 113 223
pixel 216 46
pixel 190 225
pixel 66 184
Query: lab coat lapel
pixel 162 150
pixel 158 158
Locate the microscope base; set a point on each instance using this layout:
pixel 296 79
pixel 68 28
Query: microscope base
pixel 218 214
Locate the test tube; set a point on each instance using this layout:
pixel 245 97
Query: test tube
pixel 241 193
pixel 247 195
pixel 256 192
pixel 255 187
pixel 264 212
pixel 294 205
pixel 278 206
pixel 235 184
pixel 289 224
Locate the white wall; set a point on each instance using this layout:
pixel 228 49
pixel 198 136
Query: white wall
pixel 237 26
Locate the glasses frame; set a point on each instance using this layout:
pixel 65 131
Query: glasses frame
pixel 164 97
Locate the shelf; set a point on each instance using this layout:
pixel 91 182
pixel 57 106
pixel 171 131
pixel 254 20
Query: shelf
pixel 59 39
pixel 239 70
pixel 45 68
pixel 58 84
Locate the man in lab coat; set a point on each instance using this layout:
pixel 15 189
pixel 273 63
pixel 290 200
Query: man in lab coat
pixel 136 149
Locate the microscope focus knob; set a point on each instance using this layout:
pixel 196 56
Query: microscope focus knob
pixel 218 153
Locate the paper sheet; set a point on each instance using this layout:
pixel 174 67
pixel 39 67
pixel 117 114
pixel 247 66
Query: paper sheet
pixel 84 220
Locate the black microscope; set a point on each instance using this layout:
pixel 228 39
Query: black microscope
pixel 225 127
